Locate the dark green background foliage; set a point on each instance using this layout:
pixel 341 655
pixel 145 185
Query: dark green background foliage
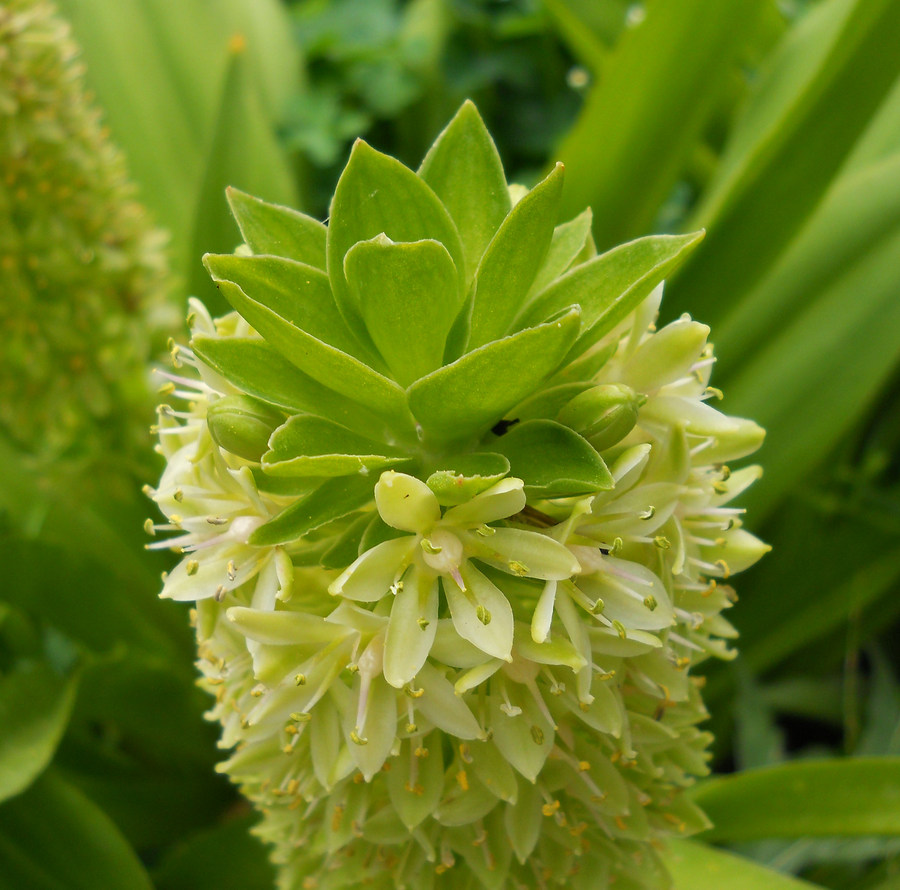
pixel 776 126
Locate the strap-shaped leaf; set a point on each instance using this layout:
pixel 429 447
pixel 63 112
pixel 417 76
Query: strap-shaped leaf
pixel 331 500
pixel 609 286
pixel 298 293
pixel 470 395
pixel 695 866
pixel 851 797
pixel 512 260
pixel 277 230
pixel 330 366
pixel 466 173
pixel 377 194
pixel 408 296
pixel 568 242
pixel 261 371
pixel 552 460
pixel 313 446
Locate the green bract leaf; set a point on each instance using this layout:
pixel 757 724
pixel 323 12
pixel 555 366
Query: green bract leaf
pixel 35 704
pixel 328 365
pixel 568 242
pixel 377 194
pixel 298 293
pixel 552 460
pixel 511 261
pixel 468 396
pixel 609 286
pixel 408 296
pixel 468 475
pixel 280 231
pixel 829 798
pixel 465 171
pixel 261 371
pixel 313 446
pixel 333 499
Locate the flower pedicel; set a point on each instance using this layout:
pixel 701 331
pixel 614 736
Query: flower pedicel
pixel 456 519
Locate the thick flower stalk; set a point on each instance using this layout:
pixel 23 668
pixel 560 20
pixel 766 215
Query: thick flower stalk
pixel 82 272
pixel 456 519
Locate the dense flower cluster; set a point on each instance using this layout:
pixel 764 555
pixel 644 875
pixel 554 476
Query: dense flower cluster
pixel 450 633
pixel 81 270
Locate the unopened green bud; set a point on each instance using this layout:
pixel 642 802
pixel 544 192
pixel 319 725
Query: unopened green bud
pixel 242 425
pixel 604 415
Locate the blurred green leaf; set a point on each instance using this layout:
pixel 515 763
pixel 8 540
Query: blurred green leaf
pixel 816 373
pixel 839 797
pixel 159 69
pixel 643 116
pixel 35 704
pixel 695 866
pixel 54 838
pixel 825 609
pixel 821 90
pixel 226 857
pixel 243 152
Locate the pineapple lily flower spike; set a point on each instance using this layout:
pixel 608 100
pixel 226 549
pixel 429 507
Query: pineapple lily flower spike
pixel 455 517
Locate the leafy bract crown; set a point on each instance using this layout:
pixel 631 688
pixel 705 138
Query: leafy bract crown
pixel 453 512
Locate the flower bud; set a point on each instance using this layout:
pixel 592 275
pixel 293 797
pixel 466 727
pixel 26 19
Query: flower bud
pixel 242 425
pixel 604 415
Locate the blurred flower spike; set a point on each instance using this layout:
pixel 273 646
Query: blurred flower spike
pixel 456 518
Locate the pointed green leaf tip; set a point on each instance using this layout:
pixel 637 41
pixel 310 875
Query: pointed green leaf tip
pixel 276 230
pixel 512 259
pixel 439 506
pixel 465 172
